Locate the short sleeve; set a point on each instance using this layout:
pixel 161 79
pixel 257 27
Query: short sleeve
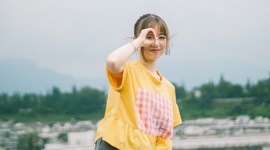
pixel 118 80
pixel 176 113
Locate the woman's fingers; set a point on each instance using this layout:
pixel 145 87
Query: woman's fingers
pixel 146 37
pixel 148 33
pixel 149 36
pixel 152 32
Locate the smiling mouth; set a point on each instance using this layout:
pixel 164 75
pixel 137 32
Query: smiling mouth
pixel 155 50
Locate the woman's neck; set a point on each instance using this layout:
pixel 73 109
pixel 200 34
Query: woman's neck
pixel 151 67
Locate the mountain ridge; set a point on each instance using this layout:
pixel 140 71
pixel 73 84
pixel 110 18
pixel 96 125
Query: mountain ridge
pixel 24 76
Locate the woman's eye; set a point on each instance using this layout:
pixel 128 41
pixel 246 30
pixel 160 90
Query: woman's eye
pixel 149 37
pixel 162 37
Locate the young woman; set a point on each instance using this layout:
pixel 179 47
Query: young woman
pixel 141 107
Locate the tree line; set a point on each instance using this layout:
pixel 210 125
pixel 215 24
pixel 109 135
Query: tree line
pixel 85 100
pixel 249 99
pixel 199 100
pixel 225 89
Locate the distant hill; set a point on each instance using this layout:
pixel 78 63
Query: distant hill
pixel 195 73
pixel 24 76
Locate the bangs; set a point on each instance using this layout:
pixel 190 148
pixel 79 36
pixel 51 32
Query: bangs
pixel 159 27
pixel 154 22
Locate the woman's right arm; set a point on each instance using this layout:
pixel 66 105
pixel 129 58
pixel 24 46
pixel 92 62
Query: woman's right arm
pixel 116 60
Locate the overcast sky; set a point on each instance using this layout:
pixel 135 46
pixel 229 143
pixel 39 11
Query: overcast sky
pixel 75 36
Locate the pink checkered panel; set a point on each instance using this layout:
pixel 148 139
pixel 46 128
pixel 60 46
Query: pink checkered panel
pixel 155 113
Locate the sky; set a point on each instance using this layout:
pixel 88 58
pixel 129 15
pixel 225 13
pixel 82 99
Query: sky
pixel 74 37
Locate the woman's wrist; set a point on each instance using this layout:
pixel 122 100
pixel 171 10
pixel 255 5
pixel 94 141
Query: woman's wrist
pixel 135 48
pixel 136 43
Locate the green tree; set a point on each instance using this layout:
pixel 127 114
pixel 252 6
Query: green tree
pixel 14 104
pixel 30 141
pixel 262 91
pixel 3 103
pixel 223 88
pixel 180 91
pixel 62 137
pixel 208 91
pixel 235 91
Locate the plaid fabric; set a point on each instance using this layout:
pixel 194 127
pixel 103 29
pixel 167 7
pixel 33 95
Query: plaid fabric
pixel 155 113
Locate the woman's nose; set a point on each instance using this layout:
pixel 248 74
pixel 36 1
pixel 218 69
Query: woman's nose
pixel 155 42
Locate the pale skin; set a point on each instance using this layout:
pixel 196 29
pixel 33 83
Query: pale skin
pixel 154 46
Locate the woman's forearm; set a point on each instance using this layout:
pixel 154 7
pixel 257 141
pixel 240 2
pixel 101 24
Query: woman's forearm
pixel 116 60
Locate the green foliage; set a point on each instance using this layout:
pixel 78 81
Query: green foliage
pixel 262 91
pixel 30 141
pixel 180 91
pixel 62 137
pixel 87 100
pixel 204 105
pixel 89 103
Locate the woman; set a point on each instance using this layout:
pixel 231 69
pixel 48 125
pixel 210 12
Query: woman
pixel 141 108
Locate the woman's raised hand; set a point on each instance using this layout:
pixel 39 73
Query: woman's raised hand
pixel 146 37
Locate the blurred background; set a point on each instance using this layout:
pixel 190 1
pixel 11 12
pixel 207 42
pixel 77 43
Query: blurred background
pixel 53 85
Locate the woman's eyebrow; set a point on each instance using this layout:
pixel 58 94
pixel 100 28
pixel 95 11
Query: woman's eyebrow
pixel 161 33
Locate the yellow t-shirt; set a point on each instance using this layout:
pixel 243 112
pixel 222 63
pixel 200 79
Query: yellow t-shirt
pixel 141 111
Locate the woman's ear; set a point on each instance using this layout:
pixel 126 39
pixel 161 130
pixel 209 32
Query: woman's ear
pixel 133 38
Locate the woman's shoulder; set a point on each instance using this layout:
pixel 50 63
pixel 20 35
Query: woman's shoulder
pixel 167 82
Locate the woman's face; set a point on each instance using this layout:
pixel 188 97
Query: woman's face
pixel 154 47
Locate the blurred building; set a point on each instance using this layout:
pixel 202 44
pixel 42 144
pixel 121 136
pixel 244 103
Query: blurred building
pixel 203 133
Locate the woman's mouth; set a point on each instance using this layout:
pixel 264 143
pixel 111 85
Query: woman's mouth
pixel 155 50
